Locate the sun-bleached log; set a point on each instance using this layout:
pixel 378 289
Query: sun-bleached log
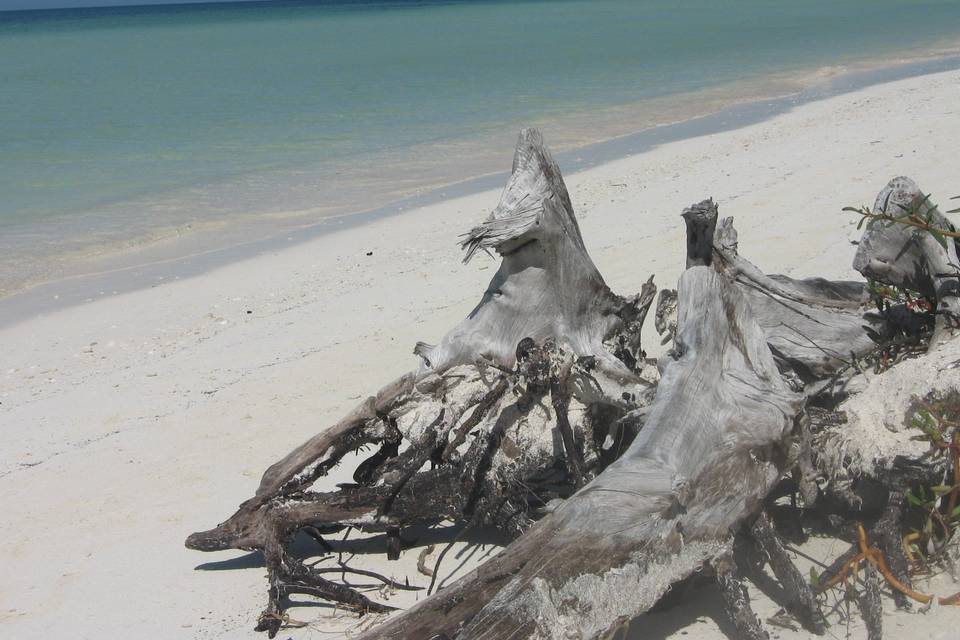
pixel 547 327
pixel 814 326
pixel 714 442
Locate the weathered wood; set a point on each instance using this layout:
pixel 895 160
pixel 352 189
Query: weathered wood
pixel 912 258
pixel 801 601
pixel 713 444
pixel 546 287
pixel 701 455
pixel 666 315
pixel 701 220
pixel 871 607
pixel 814 291
pixel 736 600
pixel 814 327
pixel 546 325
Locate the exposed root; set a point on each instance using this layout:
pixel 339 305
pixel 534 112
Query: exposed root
pixel 422 560
pixel 479 412
pixel 560 397
pixel 887 532
pixel 469 437
pixel 736 600
pixel 495 466
pixel 871 607
pixel 288 576
pixel 801 601
pixel 849 567
pixel 342 568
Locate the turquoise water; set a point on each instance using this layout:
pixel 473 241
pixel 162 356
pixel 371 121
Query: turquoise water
pixel 118 126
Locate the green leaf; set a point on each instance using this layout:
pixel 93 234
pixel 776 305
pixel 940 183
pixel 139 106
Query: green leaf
pixel 941 489
pixel 854 209
pixel 914 500
pixel 815 577
pixel 939 238
pixel 860 224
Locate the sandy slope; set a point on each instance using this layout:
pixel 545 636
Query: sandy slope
pixel 129 422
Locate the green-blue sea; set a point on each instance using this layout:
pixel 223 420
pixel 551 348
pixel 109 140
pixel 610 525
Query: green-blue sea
pixel 129 126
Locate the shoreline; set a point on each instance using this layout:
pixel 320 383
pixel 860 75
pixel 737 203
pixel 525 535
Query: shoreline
pixel 123 272
pixel 140 418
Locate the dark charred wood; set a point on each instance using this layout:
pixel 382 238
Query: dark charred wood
pixel 887 534
pixel 701 220
pixel 666 315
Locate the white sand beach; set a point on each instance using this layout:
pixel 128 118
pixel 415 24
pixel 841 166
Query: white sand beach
pixel 131 421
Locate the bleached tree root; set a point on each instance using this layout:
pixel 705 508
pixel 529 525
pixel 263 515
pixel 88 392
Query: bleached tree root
pixel 500 476
pixel 814 327
pixel 811 328
pixel 516 406
pixel 544 392
pixel 655 515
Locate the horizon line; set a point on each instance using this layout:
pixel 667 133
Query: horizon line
pixel 134 4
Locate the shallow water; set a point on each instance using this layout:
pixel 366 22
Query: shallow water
pixel 122 127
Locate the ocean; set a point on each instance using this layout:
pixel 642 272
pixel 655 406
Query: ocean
pixel 130 133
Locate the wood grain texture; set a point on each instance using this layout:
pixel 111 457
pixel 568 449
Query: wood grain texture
pixel 714 442
pixel 813 326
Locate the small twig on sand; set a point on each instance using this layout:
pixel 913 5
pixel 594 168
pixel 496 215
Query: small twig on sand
pixel 422 561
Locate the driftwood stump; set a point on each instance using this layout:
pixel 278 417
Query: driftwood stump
pixel 714 442
pixel 543 393
pixel 549 355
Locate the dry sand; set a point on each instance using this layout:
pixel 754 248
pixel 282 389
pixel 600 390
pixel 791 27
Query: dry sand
pixel 131 421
